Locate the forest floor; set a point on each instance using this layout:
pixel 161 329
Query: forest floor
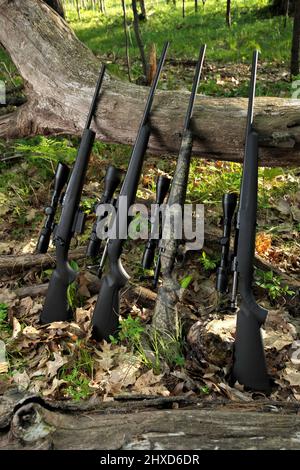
pixel 61 361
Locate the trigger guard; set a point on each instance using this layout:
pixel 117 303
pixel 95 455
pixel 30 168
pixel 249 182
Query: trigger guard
pixel 122 270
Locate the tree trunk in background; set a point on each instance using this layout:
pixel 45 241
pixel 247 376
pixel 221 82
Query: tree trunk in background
pixel 287 6
pixel 57 6
pixel 228 13
pixel 296 41
pixel 183 8
pixel 78 9
pixel 136 26
pixel 279 7
pixel 102 7
pixel 196 6
pixel 143 10
pixel 152 65
pixel 126 39
pixel 59 92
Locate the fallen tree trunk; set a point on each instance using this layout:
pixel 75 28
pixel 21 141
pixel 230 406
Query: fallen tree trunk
pixel 33 423
pixel 60 74
pixel 11 264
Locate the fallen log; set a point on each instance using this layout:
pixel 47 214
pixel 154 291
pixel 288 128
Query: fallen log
pixel 17 263
pixel 60 75
pixel 36 290
pixel 32 423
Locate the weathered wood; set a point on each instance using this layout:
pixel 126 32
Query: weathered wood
pixel 35 424
pixel 60 74
pixel 35 290
pixel 16 263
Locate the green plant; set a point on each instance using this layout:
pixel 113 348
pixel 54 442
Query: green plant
pixel 4 325
pixel 185 282
pixel 72 288
pixel 209 264
pixel 79 376
pixel 205 390
pixel 167 347
pixel 130 333
pixel 272 283
pixel 78 385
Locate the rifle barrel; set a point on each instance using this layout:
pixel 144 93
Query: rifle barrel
pixel 195 87
pixel 252 93
pixel 95 97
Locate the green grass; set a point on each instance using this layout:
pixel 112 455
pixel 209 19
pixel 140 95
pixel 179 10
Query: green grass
pixel 104 33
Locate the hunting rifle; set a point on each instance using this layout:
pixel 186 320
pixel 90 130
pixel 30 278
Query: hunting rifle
pixel 106 314
pixel 56 307
pixel 249 364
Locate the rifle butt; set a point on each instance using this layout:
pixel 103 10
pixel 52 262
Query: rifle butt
pixel 249 363
pixel 105 320
pixel 56 307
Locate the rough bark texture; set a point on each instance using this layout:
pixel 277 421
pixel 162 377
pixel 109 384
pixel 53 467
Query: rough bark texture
pixel 31 423
pixel 138 37
pixel 11 264
pixel 60 74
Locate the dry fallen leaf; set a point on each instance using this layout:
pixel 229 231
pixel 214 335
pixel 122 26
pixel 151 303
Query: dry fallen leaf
pixel 55 384
pixel 149 384
pixel 57 363
pixel 292 376
pixel 263 243
pixel 283 206
pixel 31 332
pixel 22 380
pixel 16 328
pixel 3 367
pixel 6 248
pixel 276 339
pixel 8 297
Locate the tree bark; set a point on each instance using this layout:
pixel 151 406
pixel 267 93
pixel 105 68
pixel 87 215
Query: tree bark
pixel 60 74
pixel 228 13
pixel 296 41
pixel 12 264
pixel 143 10
pixel 136 27
pixel 34 423
pixel 126 38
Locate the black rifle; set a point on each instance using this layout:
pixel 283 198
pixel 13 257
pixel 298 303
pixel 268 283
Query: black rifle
pixel 111 182
pixel 249 364
pixel 56 306
pixel 162 188
pixel 178 191
pixel 60 179
pixel 106 314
